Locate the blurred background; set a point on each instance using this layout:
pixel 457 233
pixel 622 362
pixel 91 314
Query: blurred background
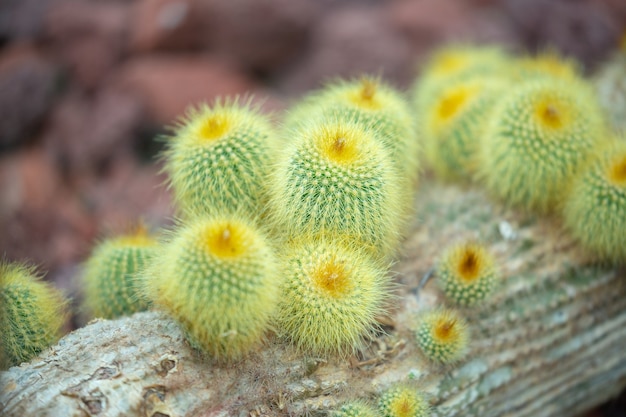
pixel 87 85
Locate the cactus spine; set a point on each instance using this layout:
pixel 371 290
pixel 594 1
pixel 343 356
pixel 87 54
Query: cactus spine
pixel 32 313
pixel 443 336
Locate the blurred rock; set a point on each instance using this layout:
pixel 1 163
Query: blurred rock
pixel 22 20
pixel 350 42
pixel 587 30
pixel 168 24
pixel 27 83
pixel 90 37
pixel 168 84
pixel 263 35
pixel 86 133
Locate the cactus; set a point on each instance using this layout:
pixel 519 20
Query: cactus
pixel 32 313
pixel 402 401
pixel 547 64
pixel 537 139
pixel 331 297
pixel 375 104
pixel 467 273
pixel 217 277
pixel 335 178
pixel 455 121
pixel 595 208
pixel 109 278
pixel 355 409
pixel 217 159
pixel 610 83
pixel 443 336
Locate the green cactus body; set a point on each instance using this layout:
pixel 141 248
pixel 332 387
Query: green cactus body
pixel 610 83
pixel 370 102
pixel 217 159
pixel 32 313
pixel 110 275
pixel 336 179
pixel 537 139
pixel 443 336
pixel 331 296
pixel 595 208
pixel 454 123
pixel 403 401
pixel 355 409
pixel 467 273
pixel 217 276
pixel 547 64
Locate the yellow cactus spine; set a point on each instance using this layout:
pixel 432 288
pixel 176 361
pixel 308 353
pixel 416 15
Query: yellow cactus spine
pixel 110 274
pixel 443 336
pixel 403 401
pixel 32 313
pixel 217 276
pixel 335 178
pixel 467 273
pixel 537 139
pixel 595 208
pixel 331 296
pixel 217 159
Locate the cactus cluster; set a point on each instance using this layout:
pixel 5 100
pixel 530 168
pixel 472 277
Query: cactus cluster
pixel 32 313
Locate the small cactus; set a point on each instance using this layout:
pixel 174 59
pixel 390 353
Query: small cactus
pixel 217 159
pixel 335 178
pixel 32 313
pixel 355 409
pixel 110 274
pixel 537 139
pixel 595 208
pixel 217 277
pixel 467 273
pixel 403 401
pixel 443 336
pixel 331 296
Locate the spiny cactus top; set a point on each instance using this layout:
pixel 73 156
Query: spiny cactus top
pixel 217 159
pixel 218 277
pixel 537 139
pixel 467 273
pixel 32 313
pixel 403 401
pixel 595 207
pixel 331 296
pixel 110 274
pixel 548 64
pixel 443 335
pixel 335 178
pixel 355 409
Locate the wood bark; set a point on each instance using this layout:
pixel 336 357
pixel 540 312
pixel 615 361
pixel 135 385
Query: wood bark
pixel 550 342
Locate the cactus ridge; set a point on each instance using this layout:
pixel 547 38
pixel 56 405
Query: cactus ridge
pixel 218 157
pixel 217 276
pixel 537 139
pixel 595 208
pixel 331 296
pixel 110 275
pixel 32 313
pixel 336 179
pixel 402 401
pixel 467 273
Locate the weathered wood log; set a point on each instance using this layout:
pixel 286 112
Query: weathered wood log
pixel 550 342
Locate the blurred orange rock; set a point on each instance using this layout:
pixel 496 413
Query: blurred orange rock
pixel 168 84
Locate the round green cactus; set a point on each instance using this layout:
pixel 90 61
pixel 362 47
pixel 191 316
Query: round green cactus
pixel 403 401
pixel 110 274
pixel 443 336
pixel 595 208
pixel 217 159
pixel 32 313
pixel 331 296
pixel 537 139
pixel 355 409
pixel 217 276
pixel 336 179
pixel 467 273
